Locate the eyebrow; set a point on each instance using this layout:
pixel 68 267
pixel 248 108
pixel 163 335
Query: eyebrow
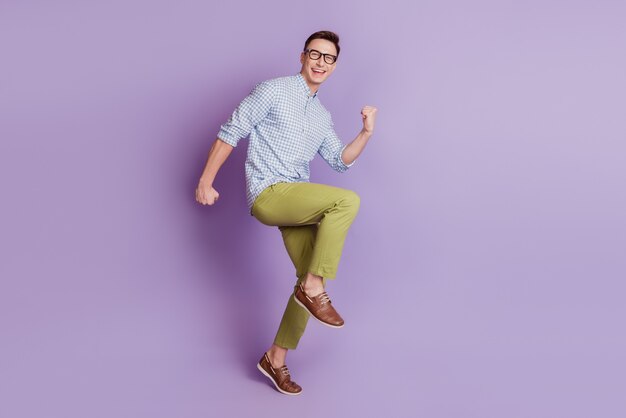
pixel 328 53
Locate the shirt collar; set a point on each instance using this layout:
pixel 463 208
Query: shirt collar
pixel 304 85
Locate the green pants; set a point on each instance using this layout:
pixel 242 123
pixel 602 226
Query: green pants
pixel 314 220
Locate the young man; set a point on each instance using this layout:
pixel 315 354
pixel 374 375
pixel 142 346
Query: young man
pixel 288 125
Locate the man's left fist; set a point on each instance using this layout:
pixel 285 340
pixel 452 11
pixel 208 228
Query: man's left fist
pixel 368 113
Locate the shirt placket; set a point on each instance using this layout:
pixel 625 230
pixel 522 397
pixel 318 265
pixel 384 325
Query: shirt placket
pixel 305 121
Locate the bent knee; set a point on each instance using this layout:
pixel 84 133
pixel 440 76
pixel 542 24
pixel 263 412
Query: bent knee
pixel 351 200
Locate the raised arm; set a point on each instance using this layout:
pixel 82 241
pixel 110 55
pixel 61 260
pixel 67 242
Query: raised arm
pixel 341 157
pixel 354 148
pixel 219 152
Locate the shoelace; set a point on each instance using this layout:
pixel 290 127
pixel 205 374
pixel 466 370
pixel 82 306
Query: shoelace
pixel 324 298
pixel 284 370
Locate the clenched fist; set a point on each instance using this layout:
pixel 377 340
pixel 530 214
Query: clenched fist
pixel 206 194
pixel 368 113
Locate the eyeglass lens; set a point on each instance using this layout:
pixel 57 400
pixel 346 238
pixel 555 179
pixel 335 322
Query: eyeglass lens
pixel 314 55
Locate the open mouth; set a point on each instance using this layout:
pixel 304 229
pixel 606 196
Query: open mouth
pixel 318 72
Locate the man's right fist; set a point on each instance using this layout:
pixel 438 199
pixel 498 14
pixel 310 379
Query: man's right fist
pixel 206 194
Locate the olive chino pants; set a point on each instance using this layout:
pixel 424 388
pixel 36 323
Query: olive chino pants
pixel 314 220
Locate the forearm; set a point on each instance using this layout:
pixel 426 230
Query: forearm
pixel 354 148
pixel 218 153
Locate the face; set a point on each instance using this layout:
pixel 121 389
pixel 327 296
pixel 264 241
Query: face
pixel 323 70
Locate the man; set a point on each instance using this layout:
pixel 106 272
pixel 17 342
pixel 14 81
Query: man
pixel 288 125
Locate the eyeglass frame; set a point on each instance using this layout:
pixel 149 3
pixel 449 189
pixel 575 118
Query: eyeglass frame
pixel 308 53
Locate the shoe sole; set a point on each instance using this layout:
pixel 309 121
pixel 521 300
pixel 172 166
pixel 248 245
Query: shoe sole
pixel 258 366
pixel 318 320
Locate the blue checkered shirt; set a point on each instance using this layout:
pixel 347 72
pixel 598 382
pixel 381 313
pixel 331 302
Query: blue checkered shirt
pixel 287 127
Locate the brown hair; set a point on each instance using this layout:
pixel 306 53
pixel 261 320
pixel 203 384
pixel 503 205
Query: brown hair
pixel 324 34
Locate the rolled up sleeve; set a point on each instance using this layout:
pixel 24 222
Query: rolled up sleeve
pixel 332 148
pixel 250 112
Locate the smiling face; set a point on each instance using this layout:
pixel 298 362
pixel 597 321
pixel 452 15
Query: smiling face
pixel 315 72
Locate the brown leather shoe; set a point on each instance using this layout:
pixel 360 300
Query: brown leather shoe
pixel 280 376
pixel 319 307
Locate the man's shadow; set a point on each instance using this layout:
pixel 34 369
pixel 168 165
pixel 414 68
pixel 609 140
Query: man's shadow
pixel 235 245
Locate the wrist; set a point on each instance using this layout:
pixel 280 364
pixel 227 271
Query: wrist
pixel 206 181
pixel 367 132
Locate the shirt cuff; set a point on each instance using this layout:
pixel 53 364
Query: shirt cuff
pixel 225 136
pixel 343 165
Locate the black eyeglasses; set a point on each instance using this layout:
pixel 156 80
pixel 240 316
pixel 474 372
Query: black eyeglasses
pixel 315 55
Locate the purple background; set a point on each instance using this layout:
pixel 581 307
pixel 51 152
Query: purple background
pixel 483 276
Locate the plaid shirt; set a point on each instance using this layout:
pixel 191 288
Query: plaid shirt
pixel 287 127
